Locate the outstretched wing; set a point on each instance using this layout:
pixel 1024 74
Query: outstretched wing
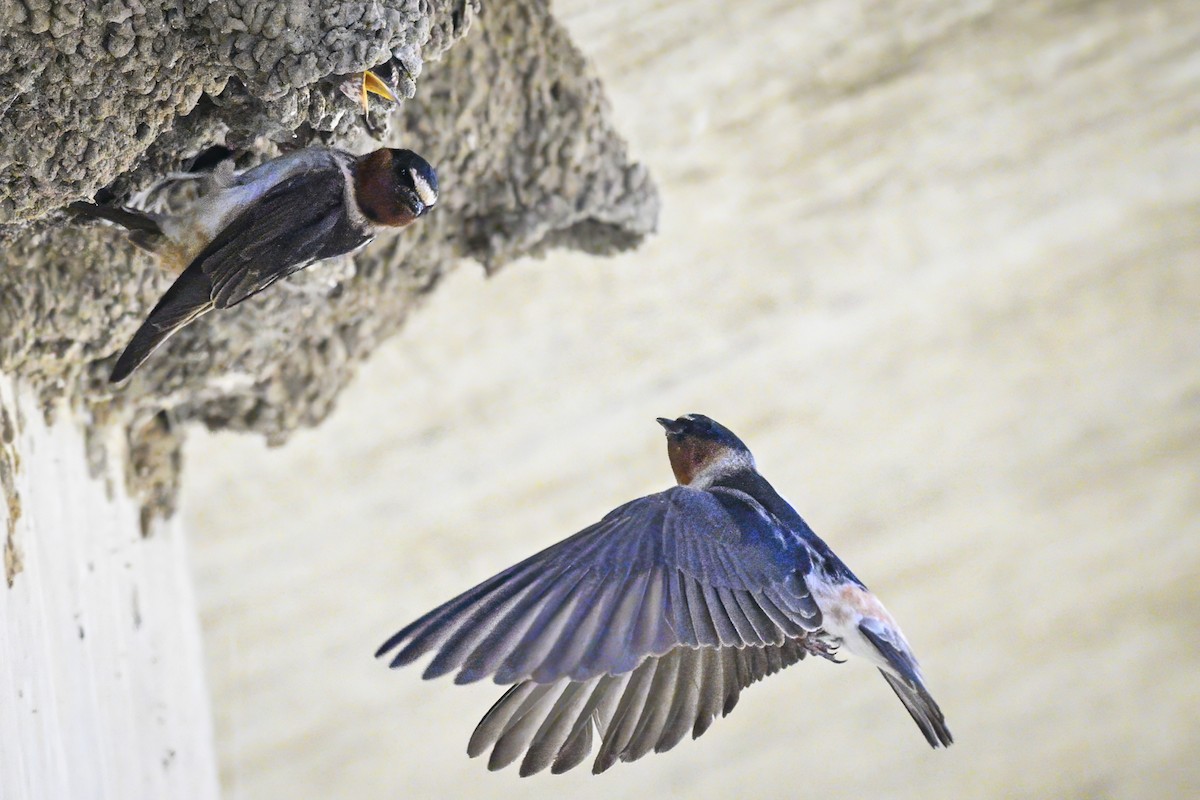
pixel 651 708
pixel 297 222
pixel 679 568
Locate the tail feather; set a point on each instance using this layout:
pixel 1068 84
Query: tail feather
pixel 923 709
pixel 125 217
pixel 188 298
pixel 904 677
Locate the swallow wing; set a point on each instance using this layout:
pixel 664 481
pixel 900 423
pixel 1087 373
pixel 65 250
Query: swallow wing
pixel 649 709
pixel 297 222
pixel 679 568
pixel 300 220
pixel 186 300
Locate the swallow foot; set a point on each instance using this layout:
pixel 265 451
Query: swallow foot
pixel 824 648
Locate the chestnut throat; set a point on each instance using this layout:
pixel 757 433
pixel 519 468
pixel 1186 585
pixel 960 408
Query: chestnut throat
pixel 375 190
pixel 693 458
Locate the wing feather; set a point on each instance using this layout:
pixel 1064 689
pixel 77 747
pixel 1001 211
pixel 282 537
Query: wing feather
pixel 298 221
pixel 649 709
pixel 552 736
pixel 702 619
pixel 712 690
pixel 525 620
pixel 685 704
pixel 465 633
pixel 625 718
pixel 746 633
pixel 524 725
pixel 496 720
pixel 658 705
pixel 537 644
pixel 766 630
pixel 681 567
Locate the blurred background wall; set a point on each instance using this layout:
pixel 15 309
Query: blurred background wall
pixel 938 264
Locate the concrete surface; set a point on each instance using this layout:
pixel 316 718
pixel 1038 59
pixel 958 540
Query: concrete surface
pixel 939 268
pixel 102 672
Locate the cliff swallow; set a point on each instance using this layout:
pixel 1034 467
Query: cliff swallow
pixel 267 223
pixel 650 623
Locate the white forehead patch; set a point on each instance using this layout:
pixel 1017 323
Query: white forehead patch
pixel 424 190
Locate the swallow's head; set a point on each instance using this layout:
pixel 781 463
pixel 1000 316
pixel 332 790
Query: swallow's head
pixel 394 187
pixel 700 449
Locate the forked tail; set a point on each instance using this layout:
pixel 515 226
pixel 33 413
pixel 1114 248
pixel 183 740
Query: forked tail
pixel 906 682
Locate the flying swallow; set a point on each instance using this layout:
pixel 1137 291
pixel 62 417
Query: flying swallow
pixel 265 224
pixel 648 624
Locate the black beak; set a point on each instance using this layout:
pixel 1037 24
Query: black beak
pixel 672 426
pixel 413 202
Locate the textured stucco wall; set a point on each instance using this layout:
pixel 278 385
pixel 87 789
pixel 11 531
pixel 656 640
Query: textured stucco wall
pixel 104 97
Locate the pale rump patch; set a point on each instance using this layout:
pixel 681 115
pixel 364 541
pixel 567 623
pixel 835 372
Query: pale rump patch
pixel 844 605
pixel 865 603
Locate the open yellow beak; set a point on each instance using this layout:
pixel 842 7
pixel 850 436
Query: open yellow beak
pixel 373 84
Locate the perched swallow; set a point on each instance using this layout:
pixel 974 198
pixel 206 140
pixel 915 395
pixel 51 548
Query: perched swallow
pixel 265 224
pixel 650 623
